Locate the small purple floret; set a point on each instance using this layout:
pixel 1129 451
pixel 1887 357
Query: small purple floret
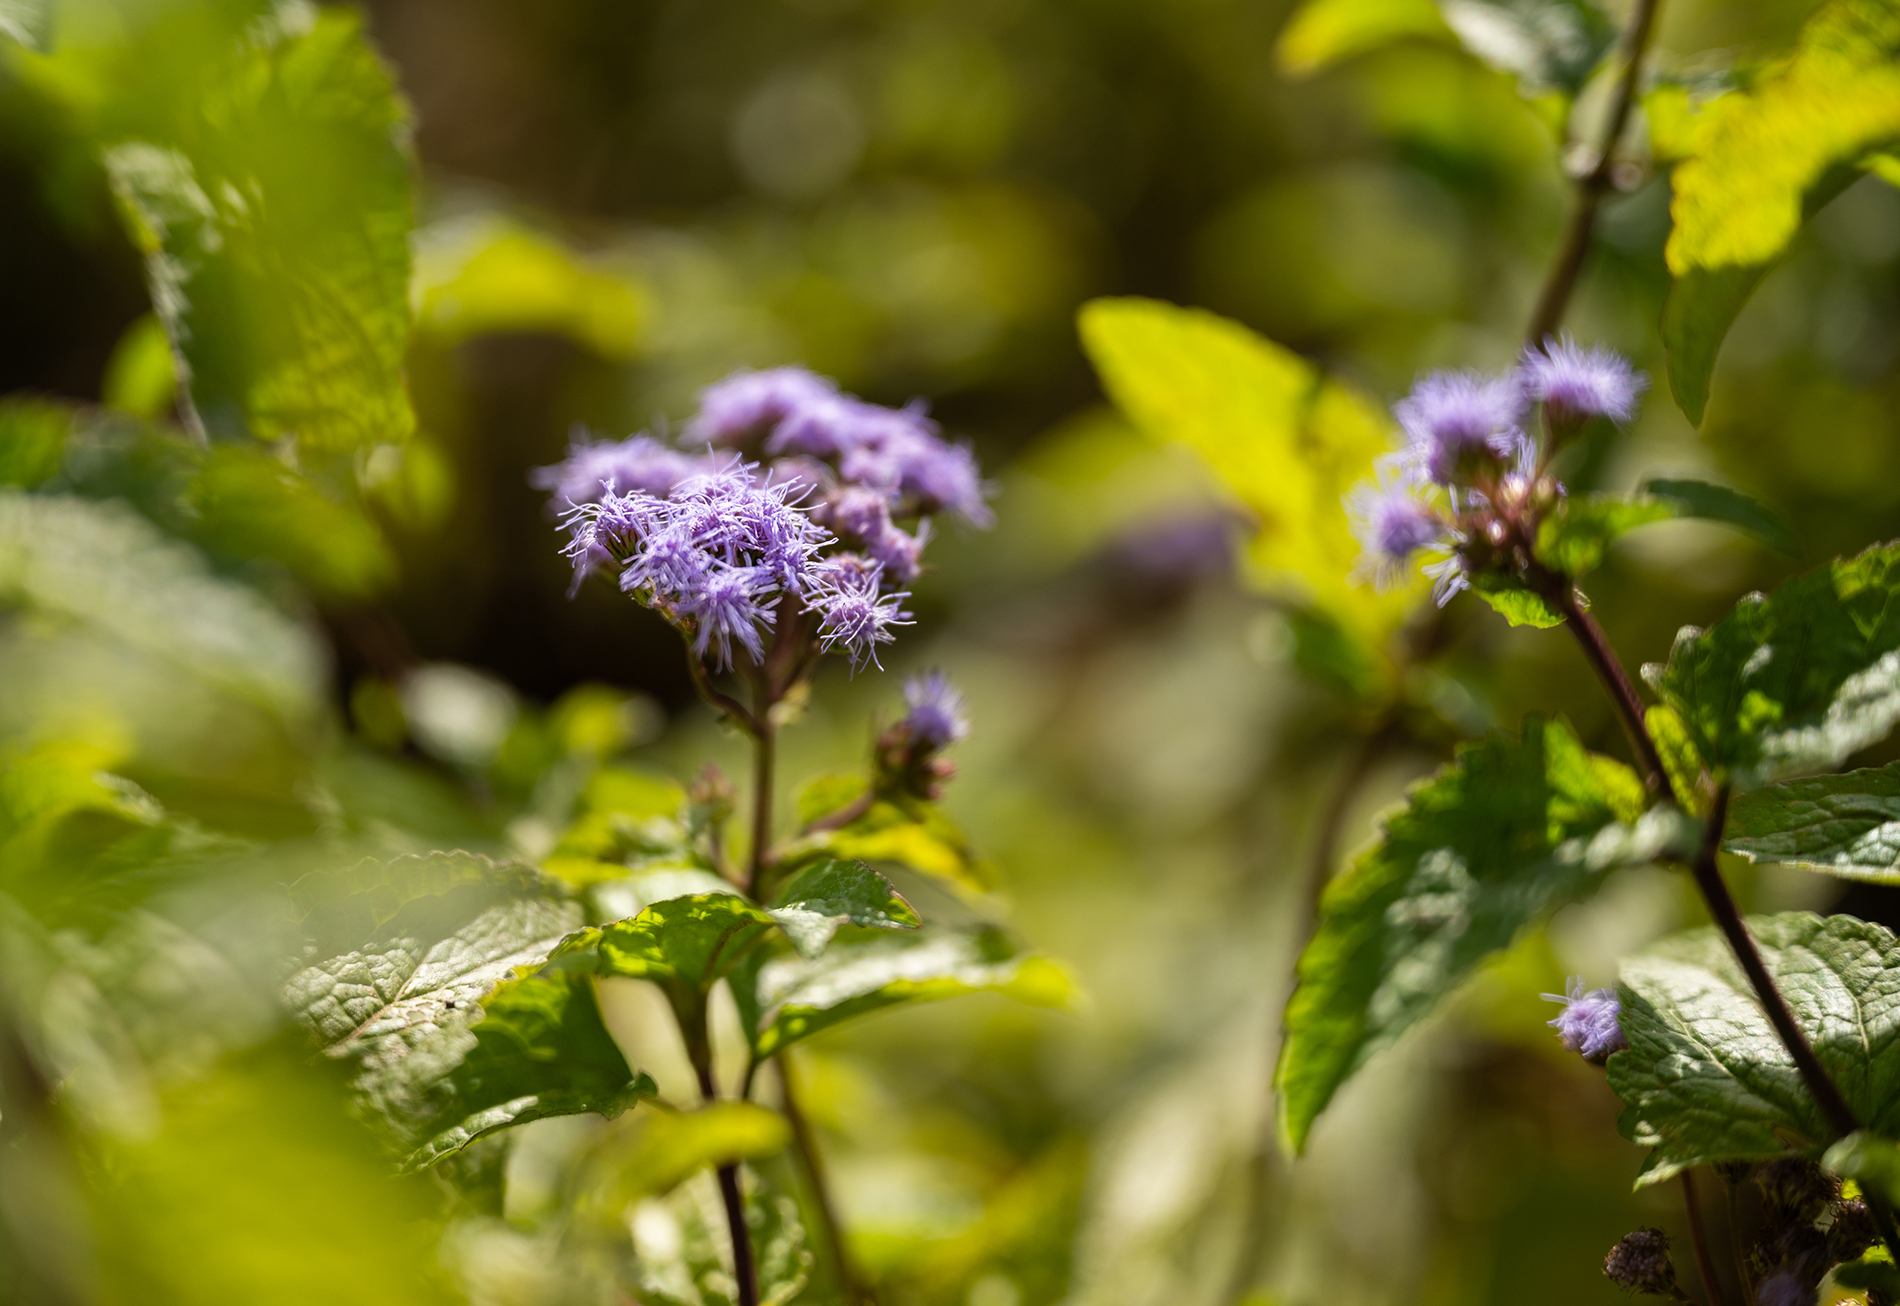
pixel 853 615
pixel 1575 384
pixel 1451 418
pixel 1392 523
pixel 746 403
pixel 935 717
pixel 1588 1023
pixel 593 470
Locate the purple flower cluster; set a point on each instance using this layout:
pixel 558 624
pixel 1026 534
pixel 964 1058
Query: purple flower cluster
pixel 1588 1023
pixel 1467 447
pixel 725 548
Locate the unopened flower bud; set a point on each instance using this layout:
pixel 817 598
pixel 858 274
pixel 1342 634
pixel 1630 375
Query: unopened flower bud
pixel 1852 1232
pixel 1588 1023
pixel 1640 1263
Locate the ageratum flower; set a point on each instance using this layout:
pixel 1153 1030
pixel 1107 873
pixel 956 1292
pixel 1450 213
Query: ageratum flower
pixel 935 716
pixel 747 403
pixel 1575 384
pixel 1588 1023
pixel 854 616
pixel 1391 523
pixel 1455 422
pixel 596 468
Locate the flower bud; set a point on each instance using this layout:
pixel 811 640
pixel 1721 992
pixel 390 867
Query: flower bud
pixel 1640 1263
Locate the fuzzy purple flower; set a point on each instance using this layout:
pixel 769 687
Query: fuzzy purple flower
pixel 1588 1023
pixel 746 403
pixel 1392 523
pixel 854 616
pixel 1575 384
pixel 1455 421
pixel 594 470
pixel 726 609
pixel 935 716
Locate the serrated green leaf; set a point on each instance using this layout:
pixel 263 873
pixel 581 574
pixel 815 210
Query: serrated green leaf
pixel 833 893
pixel 1795 681
pixel 102 567
pixel 1847 825
pixel 1322 33
pixel 1574 538
pixel 1705 1078
pixel 1873 1163
pixel 1520 607
pixel 1719 503
pixel 1285 441
pixel 448 934
pixel 795 997
pixel 1762 160
pixel 687 943
pixel 1512 830
pixel 274 211
pixel 488 275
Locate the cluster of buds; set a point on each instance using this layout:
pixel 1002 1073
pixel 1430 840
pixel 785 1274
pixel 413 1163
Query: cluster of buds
pixel 1472 481
pixel 1640 1263
pixel 909 754
pixel 1807 1230
pixel 789 522
pixel 1588 1025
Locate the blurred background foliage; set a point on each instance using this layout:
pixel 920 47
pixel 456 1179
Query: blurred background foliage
pixel 228 663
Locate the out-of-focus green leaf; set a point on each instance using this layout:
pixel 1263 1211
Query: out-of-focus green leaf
pixel 1706 1078
pixel 249 505
pixel 1512 830
pixel 1719 503
pixel 1795 681
pixel 102 567
pixel 539 1050
pixel 436 938
pixel 908 833
pixel 1546 44
pixel 257 1187
pixel 1873 1163
pixel 1848 825
pixel 1574 539
pixel 690 1263
pixel 1681 762
pixel 689 942
pixel 25 21
pixel 1284 440
pixel 1762 160
pixel 33 435
pixel 833 893
pixel 274 213
pixel 1874 1270
pixel 489 275
pixel 796 997
pixel 141 378
pixel 1520 607
pixel 654 1150
pixel 630 817
pixel 1322 33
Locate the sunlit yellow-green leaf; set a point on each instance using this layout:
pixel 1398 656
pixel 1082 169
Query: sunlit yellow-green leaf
pixel 1323 32
pixel 493 276
pixel 1761 160
pixel 1284 440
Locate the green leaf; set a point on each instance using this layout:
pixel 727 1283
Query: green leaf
pixel 1285 441
pixel 488 275
pixel 1796 681
pixel 1574 539
pixel 1520 607
pixel 1763 159
pixel 1873 1163
pixel 274 212
pixel 795 997
pixel 652 1151
pixel 897 831
pixel 33 435
pixel 1322 33
pixel 25 21
pixel 1719 503
pixel 103 568
pixel 1706 1078
pixel 832 893
pixel 1681 762
pixel 1848 825
pixel 1512 830
pixel 1874 1270
pixel 1546 44
pixel 688 942
pixel 245 503
pixel 452 1041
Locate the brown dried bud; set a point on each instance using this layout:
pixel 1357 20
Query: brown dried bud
pixel 1640 1263
pixel 1852 1232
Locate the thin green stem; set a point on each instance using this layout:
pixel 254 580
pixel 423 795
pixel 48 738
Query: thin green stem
pixel 764 759
pixel 699 1052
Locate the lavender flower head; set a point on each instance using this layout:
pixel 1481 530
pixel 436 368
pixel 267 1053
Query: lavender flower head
pixel 597 468
pixel 1575 384
pixel 748 402
pixel 1391 522
pixel 1453 419
pixel 935 716
pixel 1588 1023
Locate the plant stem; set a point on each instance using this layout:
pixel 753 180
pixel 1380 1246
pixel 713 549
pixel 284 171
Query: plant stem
pixel 1574 245
pixel 764 755
pixel 805 1143
pixel 1562 595
pixel 699 1051
pixel 1704 1266
pixel 1742 1273
pixel 724 704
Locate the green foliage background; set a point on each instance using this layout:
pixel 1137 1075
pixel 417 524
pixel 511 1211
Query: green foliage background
pixel 222 663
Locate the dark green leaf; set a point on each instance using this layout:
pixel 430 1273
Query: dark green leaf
pixel 1519 606
pixel 1574 539
pixel 832 893
pixel 795 997
pixel 1706 1079
pixel 1796 681
pixel 1731 507
pixel 1874 1270
pixel 274 213
pixel 1512 830
pixel 690 941
pixel 1845 824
